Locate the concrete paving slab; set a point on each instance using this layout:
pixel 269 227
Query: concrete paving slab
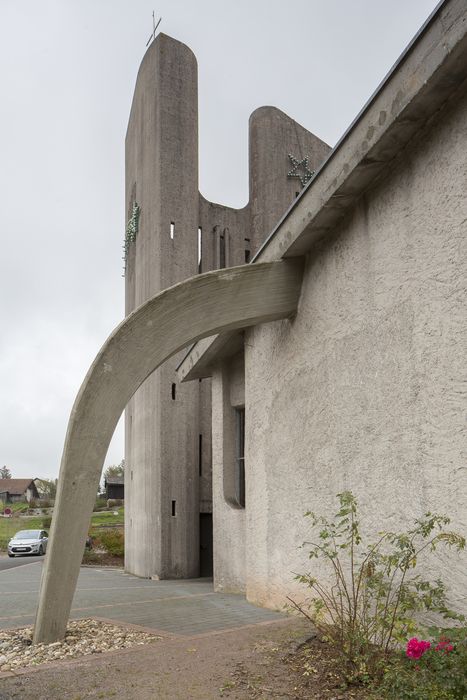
pixel 181 607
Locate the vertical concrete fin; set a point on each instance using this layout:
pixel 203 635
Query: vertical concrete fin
pixel 162 177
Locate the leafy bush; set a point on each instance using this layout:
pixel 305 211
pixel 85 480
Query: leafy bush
pixel 371 604
pixel 439 672
pixel 113 542
pixel 114 503
pixel 100 504
pixel 90 557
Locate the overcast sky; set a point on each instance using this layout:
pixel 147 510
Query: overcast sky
pixel 67 74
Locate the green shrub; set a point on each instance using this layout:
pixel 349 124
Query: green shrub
pixel 439 673
pixel 113 542
pixel 90 557
pixel 100 504
pixel 370 606
pixel 46 522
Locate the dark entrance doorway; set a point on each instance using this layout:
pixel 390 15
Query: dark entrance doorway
pixel 205 544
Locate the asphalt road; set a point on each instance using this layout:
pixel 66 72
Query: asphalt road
pixel 7 562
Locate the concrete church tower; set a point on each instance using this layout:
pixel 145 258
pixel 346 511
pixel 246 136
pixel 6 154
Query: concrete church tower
pixel 174 233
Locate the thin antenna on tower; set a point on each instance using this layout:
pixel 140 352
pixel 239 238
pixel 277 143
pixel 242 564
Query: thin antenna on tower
pixel 154 27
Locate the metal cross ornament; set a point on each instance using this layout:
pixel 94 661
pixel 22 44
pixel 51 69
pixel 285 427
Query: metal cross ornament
pixel 300 169
pixel 154 27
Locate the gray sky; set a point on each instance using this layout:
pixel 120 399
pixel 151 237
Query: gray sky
pixel 67 73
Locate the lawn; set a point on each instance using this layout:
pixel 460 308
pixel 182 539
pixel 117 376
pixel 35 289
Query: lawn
pixel 99 521
pixel 9 526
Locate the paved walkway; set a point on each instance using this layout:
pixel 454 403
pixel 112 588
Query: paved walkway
pixel 180 607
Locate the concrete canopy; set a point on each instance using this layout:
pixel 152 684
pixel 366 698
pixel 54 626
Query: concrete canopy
pixel 198 307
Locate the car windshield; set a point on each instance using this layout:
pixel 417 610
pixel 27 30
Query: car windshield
pixel 27 535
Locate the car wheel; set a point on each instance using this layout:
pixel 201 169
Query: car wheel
pixel 10 555
pixel 41 551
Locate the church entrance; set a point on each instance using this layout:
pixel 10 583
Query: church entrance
pixel 205 545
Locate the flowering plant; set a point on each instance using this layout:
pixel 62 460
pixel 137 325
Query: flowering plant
pixel 369 604
pixel 435 670
pixel 416 648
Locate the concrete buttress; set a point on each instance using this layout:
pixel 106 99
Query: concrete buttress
pixel 198 307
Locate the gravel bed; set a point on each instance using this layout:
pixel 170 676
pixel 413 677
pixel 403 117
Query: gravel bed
pixel 83 637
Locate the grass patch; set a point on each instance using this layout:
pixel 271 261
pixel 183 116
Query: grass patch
pixel 107 518
pixel 10 526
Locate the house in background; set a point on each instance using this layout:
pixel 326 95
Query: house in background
pixel 14 490
pixel 115 487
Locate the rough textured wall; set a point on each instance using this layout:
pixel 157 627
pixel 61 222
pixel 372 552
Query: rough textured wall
pixel 273 135
pixel 162 445
pixel 365 389
pixel 168 424
pixel 228 520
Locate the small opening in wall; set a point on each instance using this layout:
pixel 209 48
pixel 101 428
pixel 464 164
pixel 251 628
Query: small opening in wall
pixel 174 391
pixel 131 475
pixel 247 256
pixel 173 508
pixel 221 251
pixel 200 454
pixel 200 244
pixel 297 193
pixel 172 230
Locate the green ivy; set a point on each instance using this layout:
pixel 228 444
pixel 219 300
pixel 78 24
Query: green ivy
pixel 131 231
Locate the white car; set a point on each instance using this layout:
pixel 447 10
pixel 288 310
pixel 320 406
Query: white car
pixel 28 542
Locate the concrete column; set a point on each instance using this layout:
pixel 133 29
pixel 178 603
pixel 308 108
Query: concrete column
pixel 165 324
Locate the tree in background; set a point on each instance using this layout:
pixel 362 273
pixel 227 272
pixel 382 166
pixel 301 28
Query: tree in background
pixel 5 473
pixel 47 488
pixel 115 470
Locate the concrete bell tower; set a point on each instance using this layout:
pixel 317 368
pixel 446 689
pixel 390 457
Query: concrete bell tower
pixel 168 424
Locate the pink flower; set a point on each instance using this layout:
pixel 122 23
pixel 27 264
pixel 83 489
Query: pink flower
pixel 444 645
pixel 416 648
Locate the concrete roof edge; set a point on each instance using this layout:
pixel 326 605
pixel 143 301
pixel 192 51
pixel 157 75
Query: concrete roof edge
pixel 336 185
pixel 420 64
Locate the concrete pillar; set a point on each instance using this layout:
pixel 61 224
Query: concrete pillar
pixel 162 326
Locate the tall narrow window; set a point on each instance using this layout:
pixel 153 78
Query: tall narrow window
pixel 174 391
pixel 200 246
pixel 172 230
pixel 200 454
pixel 240 455
pixel 173 508
pixel 247 250
pixel 222 250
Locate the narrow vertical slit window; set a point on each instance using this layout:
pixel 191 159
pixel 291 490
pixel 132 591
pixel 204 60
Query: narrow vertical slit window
pixel 200 247
pixel 200 454
pixel 247 250
pixel 174 391
pixel 172 230
pixel 221 250
pixel 174 503
pixel 240 456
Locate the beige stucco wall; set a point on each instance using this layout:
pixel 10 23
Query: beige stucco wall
pixel 228 518
pixel 365 389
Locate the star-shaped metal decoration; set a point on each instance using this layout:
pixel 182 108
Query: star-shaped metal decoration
pixel 300 169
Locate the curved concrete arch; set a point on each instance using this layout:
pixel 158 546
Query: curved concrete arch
pixel 198 307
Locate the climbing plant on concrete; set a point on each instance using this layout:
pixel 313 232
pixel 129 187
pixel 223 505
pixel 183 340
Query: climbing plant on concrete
pixel 131 231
